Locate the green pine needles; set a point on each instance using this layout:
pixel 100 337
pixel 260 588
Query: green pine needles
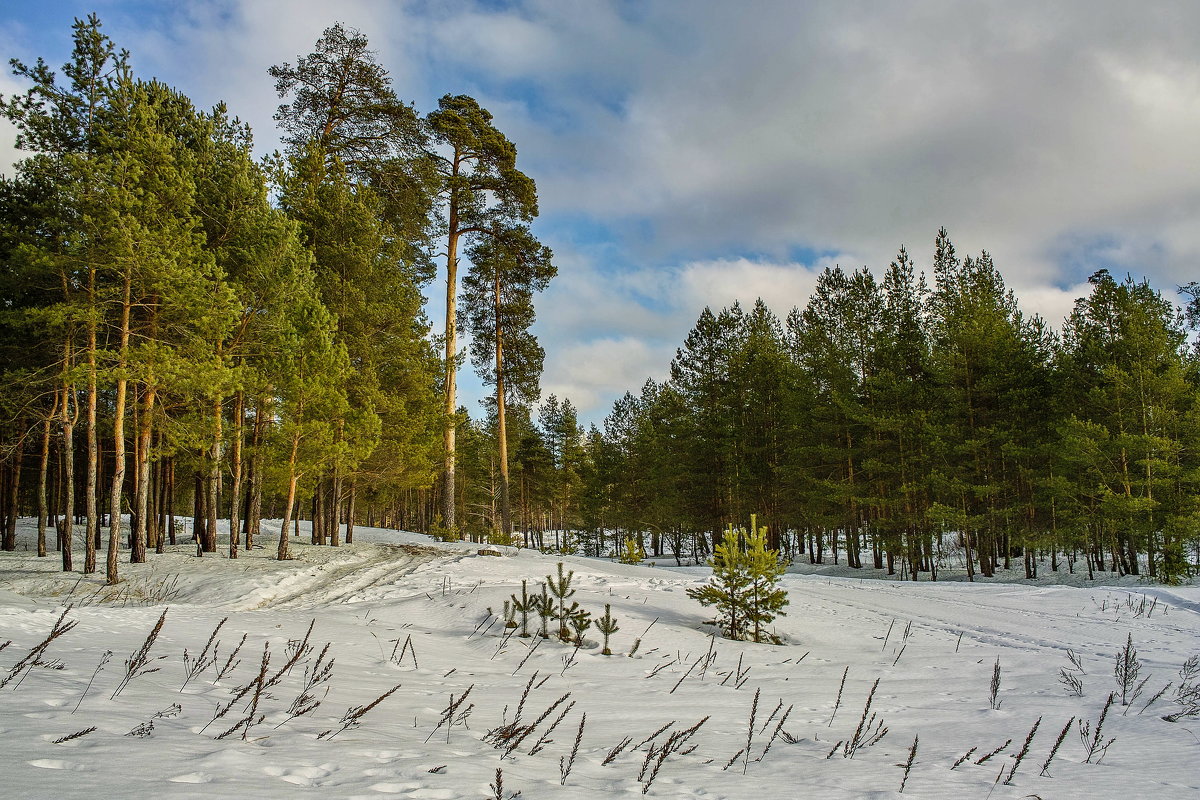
pixel 631 551
pixel 745 584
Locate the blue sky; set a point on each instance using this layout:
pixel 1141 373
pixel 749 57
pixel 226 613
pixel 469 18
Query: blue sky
pixel 700 152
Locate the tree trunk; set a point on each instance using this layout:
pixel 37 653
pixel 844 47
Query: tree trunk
pixel 235 491
pixel 199 518
pixel 254 513
pixel 350 514
pixel 43 473
pixel 10 523
pixel 91 506
pixel 282 552
pixel 137 554
pixel 118 481
pixel 171 501
pixel 451 401
pixel 506 528
pixel 68 477
pixel 212 503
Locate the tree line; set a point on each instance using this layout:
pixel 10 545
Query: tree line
pixel 189 331
pixel 893 418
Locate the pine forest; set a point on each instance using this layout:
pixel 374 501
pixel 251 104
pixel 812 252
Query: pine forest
pixel 193 335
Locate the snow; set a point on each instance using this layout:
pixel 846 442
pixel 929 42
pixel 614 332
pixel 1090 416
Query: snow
pixel 931 646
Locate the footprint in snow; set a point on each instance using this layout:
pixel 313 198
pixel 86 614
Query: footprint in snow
pixel 191 777
pixel 54 763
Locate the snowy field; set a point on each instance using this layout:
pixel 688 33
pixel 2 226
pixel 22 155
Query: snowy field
pixel 409 616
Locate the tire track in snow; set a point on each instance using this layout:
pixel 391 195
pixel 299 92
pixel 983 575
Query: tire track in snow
pixel 1019 627
pixel 344 580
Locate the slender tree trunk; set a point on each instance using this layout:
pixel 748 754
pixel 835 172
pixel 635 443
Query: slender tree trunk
pixel 199 517
pixel 171 501
pixel 138 553
pixel 136 455
pixel 10 523
pixel 118 481
pixel 282 553
pixel 160 504
pixel 506 528
pixel 317 532
pixel 254 514
pixel 68 477
pixel 334 511
pixel 450 408
pixel 91 507
pixel 213 499
pixel 235 491
pixel 43 473
pixel 350 513
pixel 451 400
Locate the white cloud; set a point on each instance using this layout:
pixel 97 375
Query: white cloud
pixel 694 132
pixel 594 373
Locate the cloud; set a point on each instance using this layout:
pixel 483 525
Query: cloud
pixel 588 372
pixel 605 333
pixel 702 146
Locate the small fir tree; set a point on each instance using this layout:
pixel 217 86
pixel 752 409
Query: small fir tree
pixel 607 626
pixel 581 620
pixel 744 586
pixel 526 605
pixel 560 589
pixel 632 551
pixel 545 611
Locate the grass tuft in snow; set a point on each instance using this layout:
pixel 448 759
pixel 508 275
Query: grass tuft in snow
pixel 138 663
pixel 33 658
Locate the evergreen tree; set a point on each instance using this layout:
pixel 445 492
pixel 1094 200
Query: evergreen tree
pixel 744 586
pixel 497 308
pixel 1127 369
pixel 359 184
pixel 481 191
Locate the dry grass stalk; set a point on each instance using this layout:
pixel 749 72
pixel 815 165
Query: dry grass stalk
pixel 1093 742
pixel 964 757
pixel 673 744
pixel 750 731
pixel 138 663
pixel 75 735
pixel 407 649
pixel 653 736
pixel 1045 773
pixel 104 659
pixel 775 733
pixel 306 701
pixel 191 668
pixel 34 656
pixel 252 716
pixel 995 752
pixel 353 716
pixel 907 765
pixel 869 731
pixel 616 751
pixel 452 715
pixel 565 763
pixel 545 739
pixel 838 703
pixel 232 662
pixel 1022 752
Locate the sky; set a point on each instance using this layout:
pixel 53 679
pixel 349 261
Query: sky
pixel 699 152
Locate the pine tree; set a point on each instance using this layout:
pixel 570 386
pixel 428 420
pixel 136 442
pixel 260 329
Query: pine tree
pixel 480 189
pixel 497 308
pixel 744 586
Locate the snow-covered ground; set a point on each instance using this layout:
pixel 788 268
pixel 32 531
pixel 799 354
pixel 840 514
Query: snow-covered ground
pixel 402 612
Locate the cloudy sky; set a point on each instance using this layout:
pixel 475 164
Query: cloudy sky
pixel 694 153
